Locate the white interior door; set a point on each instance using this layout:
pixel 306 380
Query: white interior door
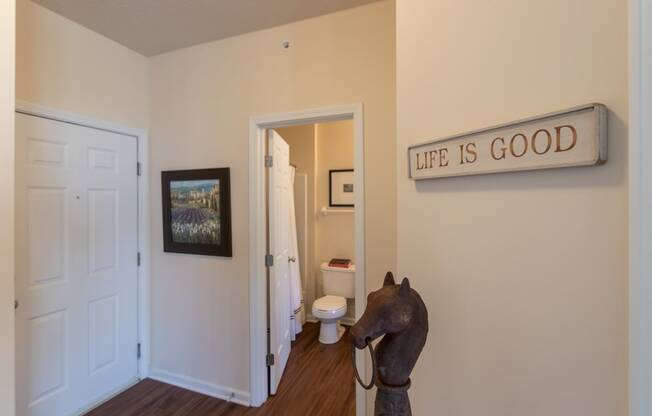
pixel 279 246
pixel 76 266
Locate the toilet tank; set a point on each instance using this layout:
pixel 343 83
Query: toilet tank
pixel 338 281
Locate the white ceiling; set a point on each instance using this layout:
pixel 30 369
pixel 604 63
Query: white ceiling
pixel 151 27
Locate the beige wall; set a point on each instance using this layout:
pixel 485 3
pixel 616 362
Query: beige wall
pixel 201 101
pixel 7 68
pixel 67 67
pixel 335 232
pixel 303 155
pixel 524 274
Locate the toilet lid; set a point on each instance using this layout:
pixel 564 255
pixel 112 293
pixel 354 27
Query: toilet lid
pixel 330 303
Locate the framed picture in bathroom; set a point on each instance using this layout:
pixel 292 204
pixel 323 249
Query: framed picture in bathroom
pixel 341 189
pixel 197 211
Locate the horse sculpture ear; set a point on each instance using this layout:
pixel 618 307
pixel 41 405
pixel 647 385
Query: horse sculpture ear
pixel 389 279
pixel 404 290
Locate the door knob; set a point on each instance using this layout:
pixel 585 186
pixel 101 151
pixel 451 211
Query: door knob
pixel 292 259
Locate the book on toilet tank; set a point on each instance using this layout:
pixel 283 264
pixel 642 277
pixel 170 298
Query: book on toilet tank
pixel 344 263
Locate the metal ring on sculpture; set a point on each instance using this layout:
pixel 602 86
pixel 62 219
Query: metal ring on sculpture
pixel 373 366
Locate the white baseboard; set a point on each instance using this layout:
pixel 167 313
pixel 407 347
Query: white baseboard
pixel 200 386
pixel 347 320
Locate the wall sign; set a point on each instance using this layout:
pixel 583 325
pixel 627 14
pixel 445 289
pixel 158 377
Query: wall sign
pixel 575 137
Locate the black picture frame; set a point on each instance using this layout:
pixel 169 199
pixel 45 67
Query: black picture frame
pixel 331 173
pixel 224 247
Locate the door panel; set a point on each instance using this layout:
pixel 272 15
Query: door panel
pixel 279 229
pixel 48 361
pixel 102 224
pixel 76 271
pixel 103 337
pixel 46 214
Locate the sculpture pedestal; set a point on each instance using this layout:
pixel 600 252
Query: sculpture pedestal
pixel 392 401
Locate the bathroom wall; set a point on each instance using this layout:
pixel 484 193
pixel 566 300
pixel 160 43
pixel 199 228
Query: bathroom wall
pixel 525 274
pixel 335 231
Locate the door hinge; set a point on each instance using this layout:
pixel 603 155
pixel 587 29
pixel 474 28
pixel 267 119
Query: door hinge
pixel 138 170
pixel 138 258
pixel 269 161
pixel 269 260
pixel 270 360
pixel 138 350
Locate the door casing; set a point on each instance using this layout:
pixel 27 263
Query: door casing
pixel 640 207
pixel 258 232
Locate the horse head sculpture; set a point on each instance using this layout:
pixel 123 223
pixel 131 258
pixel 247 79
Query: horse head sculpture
pixel 398 313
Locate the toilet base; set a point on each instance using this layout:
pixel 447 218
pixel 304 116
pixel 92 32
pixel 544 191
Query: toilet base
pixel 330 331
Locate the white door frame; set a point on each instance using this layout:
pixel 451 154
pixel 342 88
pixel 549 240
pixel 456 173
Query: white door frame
pixel 258 227
pixel 640 207
pixel 143 211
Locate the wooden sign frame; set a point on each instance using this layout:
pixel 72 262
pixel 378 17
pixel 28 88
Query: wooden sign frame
pixel 592 151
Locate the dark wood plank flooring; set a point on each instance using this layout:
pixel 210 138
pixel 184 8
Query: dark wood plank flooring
pixel 318 381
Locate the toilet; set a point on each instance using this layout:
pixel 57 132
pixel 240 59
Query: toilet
pixel 339 285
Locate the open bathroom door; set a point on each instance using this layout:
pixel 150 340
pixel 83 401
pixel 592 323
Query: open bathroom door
pixel 279 247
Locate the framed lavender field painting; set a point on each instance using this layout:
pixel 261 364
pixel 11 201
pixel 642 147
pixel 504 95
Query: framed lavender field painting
pixel 197 211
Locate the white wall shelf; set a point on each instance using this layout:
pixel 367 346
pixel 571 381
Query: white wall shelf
pixel 325 211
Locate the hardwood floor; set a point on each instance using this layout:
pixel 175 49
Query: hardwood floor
pixel 318 381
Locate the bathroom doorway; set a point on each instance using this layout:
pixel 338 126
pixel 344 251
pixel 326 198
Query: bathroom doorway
pixel 326 190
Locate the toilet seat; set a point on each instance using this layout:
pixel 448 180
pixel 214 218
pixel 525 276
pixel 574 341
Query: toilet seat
pixel 329 307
